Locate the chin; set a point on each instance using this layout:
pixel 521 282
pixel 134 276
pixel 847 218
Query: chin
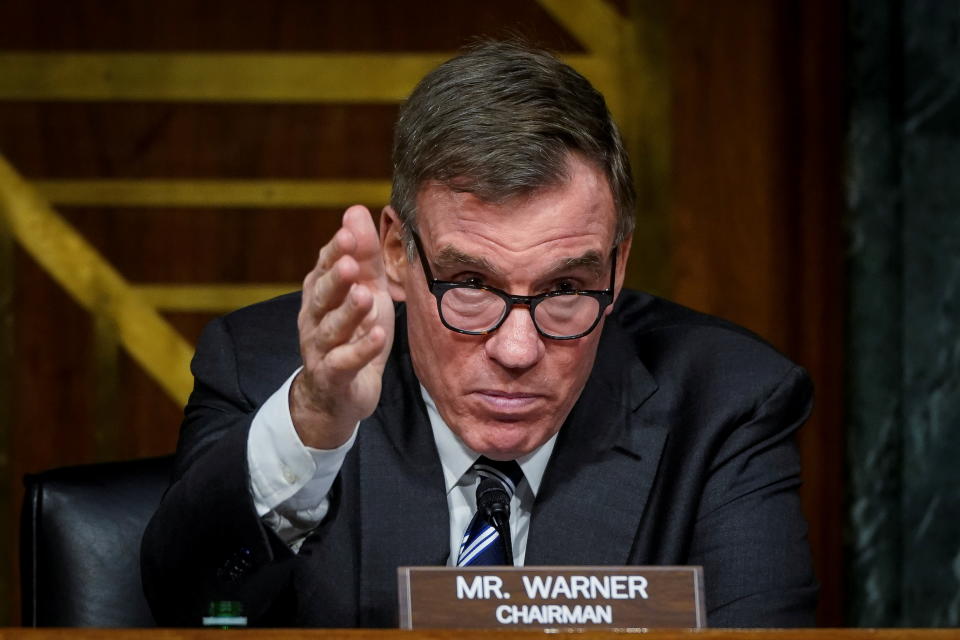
pixel 508 441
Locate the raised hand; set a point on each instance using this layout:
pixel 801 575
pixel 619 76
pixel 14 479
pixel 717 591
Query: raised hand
pixel 346 330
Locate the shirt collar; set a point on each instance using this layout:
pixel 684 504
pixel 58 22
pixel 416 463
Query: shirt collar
pixel 456 458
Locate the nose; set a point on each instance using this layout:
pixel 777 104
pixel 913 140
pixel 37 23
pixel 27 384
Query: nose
pixel 516 344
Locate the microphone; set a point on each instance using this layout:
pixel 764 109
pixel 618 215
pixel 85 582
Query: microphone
pixel 494 503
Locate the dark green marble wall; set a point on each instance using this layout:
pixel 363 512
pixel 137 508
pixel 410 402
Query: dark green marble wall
pixel 903 353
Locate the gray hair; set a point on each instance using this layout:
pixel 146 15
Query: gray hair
pixel 501 120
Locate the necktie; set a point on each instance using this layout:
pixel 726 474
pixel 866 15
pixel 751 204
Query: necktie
pixel 482 543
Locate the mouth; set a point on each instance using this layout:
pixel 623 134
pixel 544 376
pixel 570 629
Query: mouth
pixel 507 405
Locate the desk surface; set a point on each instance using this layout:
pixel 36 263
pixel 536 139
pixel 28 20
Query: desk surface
pixel 454 634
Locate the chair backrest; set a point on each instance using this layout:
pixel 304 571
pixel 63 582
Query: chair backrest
pixel 80 532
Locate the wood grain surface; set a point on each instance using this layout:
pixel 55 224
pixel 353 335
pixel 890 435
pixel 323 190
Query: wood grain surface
pixel 472 634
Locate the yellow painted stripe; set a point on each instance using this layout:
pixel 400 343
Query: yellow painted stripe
pixel 595 23
pixel 215 193
pixel 95 284
pixel 604 34
pixel 212 298
pixel 212 77
pixel 221 77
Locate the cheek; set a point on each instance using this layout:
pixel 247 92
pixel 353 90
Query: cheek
pixel 438 354
pixel 421 307
pixel 571 364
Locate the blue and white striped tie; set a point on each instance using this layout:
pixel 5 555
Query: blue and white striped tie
pixel 481 544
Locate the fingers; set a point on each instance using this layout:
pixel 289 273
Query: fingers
pixel 345 325
pixel 339 306
pixel 344 361
pixel 328 290
pixel 364 240
pixel 352 238
pixel 341 293
pixel 357 239
pixel 347 321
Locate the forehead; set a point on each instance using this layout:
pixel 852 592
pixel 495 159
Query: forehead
pixel 576 215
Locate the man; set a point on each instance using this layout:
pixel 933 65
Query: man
pixel 479 322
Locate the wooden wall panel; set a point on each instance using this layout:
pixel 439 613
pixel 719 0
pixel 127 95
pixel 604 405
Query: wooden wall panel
pixel 728 179
pixel 281 25
pixel 7 369
pixel 207 245
pixel 75 395
pixel 163 140
pixel 751 195
pixel 756 208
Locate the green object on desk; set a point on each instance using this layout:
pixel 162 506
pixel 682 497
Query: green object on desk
pixel 225 614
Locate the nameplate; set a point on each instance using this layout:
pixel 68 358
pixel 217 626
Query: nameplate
pixel 624 598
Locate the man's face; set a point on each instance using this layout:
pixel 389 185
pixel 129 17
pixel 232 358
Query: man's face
pixel 506 393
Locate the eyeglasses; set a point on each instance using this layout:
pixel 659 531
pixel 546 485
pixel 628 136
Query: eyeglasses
pixel 477 309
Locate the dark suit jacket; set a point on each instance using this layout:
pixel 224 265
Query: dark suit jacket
pixel 679 451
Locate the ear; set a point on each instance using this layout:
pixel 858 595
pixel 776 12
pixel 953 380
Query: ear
pixel 623 253
pixel 395 261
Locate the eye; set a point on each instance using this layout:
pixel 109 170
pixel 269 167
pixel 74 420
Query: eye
pixel 468 278
pixel 565 285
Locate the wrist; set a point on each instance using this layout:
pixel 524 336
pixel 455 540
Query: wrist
pixel 315 423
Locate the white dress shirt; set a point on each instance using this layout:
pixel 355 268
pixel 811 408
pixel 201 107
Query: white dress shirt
pixel 290 481
pixel 461 484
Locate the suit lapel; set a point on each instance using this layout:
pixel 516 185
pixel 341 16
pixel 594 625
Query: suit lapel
pixel 592 497
pixel 404 516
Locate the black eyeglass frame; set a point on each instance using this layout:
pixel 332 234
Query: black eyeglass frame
pixel 439 287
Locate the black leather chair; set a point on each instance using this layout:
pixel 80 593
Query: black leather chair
pixel 80 532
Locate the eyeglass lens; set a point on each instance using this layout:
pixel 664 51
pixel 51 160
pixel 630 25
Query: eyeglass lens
pixel 478 310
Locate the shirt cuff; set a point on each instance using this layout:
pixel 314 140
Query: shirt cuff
pixel 285 474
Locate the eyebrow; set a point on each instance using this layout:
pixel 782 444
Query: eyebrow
pixel 591 260
pixel 450 257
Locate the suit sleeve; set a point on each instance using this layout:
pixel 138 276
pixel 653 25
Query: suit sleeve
pixel 750 535
pixel 206 541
